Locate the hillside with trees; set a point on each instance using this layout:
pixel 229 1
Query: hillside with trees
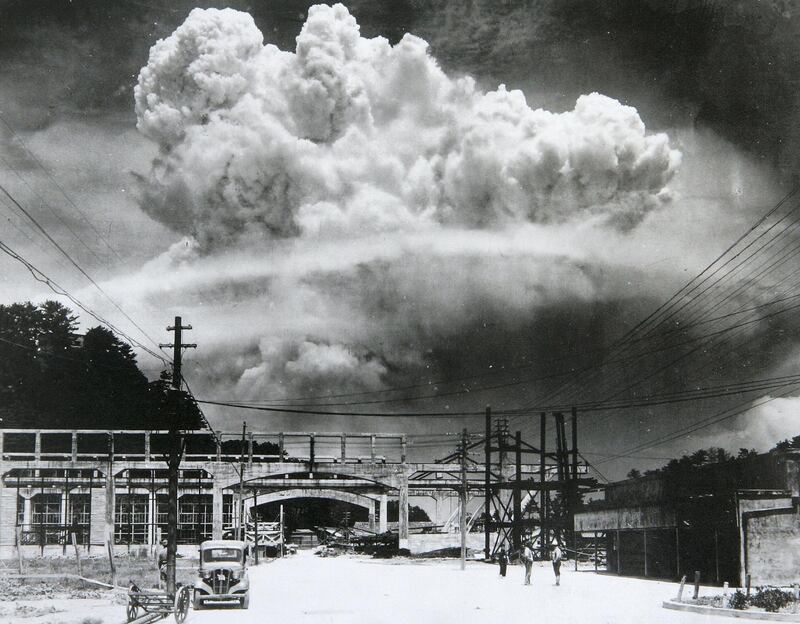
pixel 52 377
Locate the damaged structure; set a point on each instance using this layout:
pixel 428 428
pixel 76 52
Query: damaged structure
pixel 109 488
pixel 729 521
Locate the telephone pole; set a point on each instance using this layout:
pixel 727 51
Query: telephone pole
pixel 175 448
pixel 241 533
pixel 462 520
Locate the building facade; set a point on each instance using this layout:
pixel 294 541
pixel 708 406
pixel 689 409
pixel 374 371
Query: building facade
pixel 726 521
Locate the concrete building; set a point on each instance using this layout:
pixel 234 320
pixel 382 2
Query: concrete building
pixel 110 487
pixel 727 520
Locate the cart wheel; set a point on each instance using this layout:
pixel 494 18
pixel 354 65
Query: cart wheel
pixel 182 601
pixel 132 609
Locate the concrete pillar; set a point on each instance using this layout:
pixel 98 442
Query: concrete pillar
pixel 372 448
pixel 216 509
pixel 27 511
pixel 37 446
pixel 63 513
pixel 403 513
pixel 344 448
pixel 97 519
pixel 383 515
pixel 147 447
pixel 793 477
pixel 644 538
pixel 74 446
pixel 8 510
pixel 151 515
pixel 403 447
pixel 110 507
pixel 372 517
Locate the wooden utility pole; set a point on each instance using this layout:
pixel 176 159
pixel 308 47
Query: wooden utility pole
pixel 255 521
pixel 242 530
pixel 462 521
pixel 280 522
pixel 544 541
pixel 516 531
pixel 175 449
pixel 487 476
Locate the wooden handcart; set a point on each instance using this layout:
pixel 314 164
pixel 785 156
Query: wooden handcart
pixel 159 603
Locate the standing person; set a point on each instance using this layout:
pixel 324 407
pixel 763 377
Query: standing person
pixel 503 559
pixel 556 557
pixel 527 560
pixel 162 563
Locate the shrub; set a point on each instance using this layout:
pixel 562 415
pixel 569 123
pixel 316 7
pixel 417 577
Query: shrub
pixel 771 599
pixel 738 600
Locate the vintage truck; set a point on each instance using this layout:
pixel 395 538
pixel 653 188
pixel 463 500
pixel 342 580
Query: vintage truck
pixel 222 576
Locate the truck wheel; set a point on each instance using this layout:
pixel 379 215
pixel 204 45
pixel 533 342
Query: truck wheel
pixel 246 601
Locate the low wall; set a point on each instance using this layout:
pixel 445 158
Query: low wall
pixel 427 542
pixel 645 517
pixel 97 551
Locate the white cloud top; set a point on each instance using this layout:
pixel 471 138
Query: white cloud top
pixel 354 211
pixel 349 134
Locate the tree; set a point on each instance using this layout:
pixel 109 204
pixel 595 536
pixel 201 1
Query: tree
pixel 50 377
pixel 415 514
pixel 746 454
pixel 785 445
pixel 37 345
pixel 634 474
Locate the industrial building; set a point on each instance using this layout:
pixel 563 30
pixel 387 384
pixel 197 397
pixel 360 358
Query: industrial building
pixel 727 520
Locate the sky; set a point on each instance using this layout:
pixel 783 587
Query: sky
pixel 415 206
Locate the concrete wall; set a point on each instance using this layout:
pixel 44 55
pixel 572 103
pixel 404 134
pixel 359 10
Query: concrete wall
pixel 8 517
pixel 625 518
pixel 427 542
pixel 641 491
pixel 770 533
pixel 97 528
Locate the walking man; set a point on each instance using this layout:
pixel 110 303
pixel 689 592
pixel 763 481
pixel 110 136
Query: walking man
pixel 503 560
pixel 527 560
pixel 556 557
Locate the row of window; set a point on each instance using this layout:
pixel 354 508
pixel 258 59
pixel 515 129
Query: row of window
pixel 132 522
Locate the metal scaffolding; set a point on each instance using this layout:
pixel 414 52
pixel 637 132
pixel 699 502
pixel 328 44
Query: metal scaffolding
pixel 536 506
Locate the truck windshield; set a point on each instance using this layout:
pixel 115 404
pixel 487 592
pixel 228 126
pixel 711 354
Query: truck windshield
pixel 222 554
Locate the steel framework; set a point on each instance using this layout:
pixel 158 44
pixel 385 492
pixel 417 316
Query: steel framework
pixel 534 506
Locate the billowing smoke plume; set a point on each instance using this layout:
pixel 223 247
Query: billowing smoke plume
pixel 348 134
pixel 369 209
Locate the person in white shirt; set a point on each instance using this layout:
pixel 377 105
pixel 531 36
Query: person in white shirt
pixel 556 557
pixel 527 560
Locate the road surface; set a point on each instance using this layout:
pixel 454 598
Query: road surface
pixel 350 590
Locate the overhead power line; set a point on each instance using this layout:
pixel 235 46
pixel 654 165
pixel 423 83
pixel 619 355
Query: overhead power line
pixel 75 264
pixel 40 276
pixel 60 188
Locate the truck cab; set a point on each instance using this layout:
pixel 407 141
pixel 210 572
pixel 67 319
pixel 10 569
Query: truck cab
pixel 222 575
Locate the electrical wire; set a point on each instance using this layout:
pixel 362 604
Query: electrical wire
pixel 74 263
pixel 40 276
pixel 55 182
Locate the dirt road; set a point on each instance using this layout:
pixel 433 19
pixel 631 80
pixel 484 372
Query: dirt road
pixel 349 590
